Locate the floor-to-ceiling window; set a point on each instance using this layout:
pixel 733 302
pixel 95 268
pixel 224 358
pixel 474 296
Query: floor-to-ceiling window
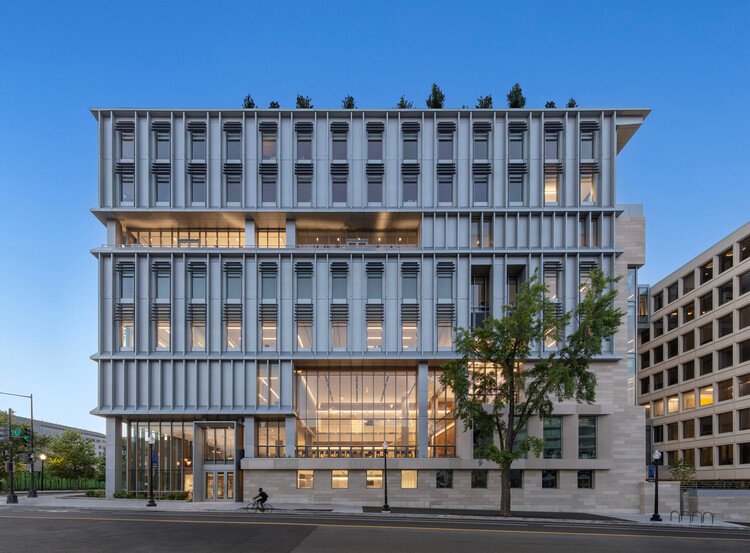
pixel 441 415
pixel 350 413
pixel 173 449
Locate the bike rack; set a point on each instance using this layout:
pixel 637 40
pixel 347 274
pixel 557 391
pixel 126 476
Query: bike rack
pixel 693 514
pixel 679 516
pixel 707 513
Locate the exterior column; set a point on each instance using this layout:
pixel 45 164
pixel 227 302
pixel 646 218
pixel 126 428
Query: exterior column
pixel 249 233
pixel 113 457
pixel 290 435
pixel 249 442
pixel 291 232
pixel 422 400
pixel 464 441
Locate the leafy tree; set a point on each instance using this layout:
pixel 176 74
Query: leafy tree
pixel 484 102
pixel 436 99
pixel 348 102
pixel 100 467
pixel 273 105
pixel 21 444
pixel 72 456
pixel 550 104
pixel 572 103
pixel 497 397
pixel 683 471
pixel 515 97
pixel 248 102
pixel 304 102
pixel 403 103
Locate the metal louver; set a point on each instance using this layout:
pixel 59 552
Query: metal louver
pixel 482 126
pixel 161 311
pixel 553 126
pixel 481 168
pixel 446 168
pixel 410 126
pixel 303 312
pixel 268 126
pixel 125 312
pixel 410 312
pixel 374 312
pixel 125 126
pixel 232 126
pixel 446 126
pixel 445 312
pixel 232 312
pixel 589 126
pixel 410 169
pixel 268 312
pixel 194 126
pixel 339 312
pixel 303 126
pixel 339 127
pixel 375 126
pixel 196 312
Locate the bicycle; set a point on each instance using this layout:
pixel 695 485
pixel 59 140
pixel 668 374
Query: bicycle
pixel 258 508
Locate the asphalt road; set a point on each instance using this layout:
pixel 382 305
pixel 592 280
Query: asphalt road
pixel 26 530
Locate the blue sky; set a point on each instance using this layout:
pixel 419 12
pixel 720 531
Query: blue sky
pixel 685 60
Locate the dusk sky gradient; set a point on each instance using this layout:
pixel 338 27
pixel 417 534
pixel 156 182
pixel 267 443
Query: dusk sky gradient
pixel 688 164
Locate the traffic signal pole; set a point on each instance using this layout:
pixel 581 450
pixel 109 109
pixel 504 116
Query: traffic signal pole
pixel 12 497
pixel 32 457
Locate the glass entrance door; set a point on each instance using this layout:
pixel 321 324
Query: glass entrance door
pixel 219 485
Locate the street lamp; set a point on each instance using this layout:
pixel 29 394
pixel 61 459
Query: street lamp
pixel 42 458
pixel 151 441
pixel 655 457
pixel 386 508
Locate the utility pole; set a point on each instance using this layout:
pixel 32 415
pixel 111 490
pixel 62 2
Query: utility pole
pixel 12 497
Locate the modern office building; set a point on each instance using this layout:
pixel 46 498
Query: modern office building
pixel 53 429
pixel 280 288
pixel 694 375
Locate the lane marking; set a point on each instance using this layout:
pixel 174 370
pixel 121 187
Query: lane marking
pixel 375 527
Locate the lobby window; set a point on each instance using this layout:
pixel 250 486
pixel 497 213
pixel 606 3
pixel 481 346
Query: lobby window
pixel 706 364
pixel 672 376
pixel 268 384
pixel 549 479
pixel 339 189
pixel 725 357
pixel 688 341
pixel 725 293
pixel 270 238
pixel 706 271
pixel 218 445
pixel 588 189
pixel 374 189
pixel 163 188
pixel 481 146
pixel 515 189
pixel 443 478
pixel 410 146
pixel 479 478
pixel 688 370
pixel 706 333
pixel 743 416
pixel 304 146
pixel 409 189
pixel 673 404
pixel 725 422
pixel 587 437
pixel 585 479
pixel 234 189
pixel 659 408
pixel 304 479
pixel 688 429
pixel 480 189
pixel 304 189
pixel 233 140
pixel 726 259
pixel 339 479
pixel 705 455
pixel 688 400
pixel 672 293
pixel 374 479
pixel 515 145
pixel 445 189
pixel 706 425
pixel 743 385
pixel 445 146
pixel 268 189
pixel 744 351
pixel 268 146
pixel 409 479
pixel 551 188
pixel 725 454
pixel 269 441
pixel 706 395
pixel 553 437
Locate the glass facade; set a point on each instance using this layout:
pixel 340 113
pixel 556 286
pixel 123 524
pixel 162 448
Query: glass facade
pixel 173 450
pixel 441 426
pixel 351 413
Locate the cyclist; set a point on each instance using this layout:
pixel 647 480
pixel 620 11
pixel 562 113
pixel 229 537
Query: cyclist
pixel 260 500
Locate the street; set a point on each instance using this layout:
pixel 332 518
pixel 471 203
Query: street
pixel 62 530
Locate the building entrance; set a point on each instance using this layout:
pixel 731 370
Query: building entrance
pixel 219 485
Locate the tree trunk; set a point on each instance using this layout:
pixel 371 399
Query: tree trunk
pixel 505 492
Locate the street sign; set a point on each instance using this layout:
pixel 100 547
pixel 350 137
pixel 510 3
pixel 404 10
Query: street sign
pixel 155 459
pixel 16 432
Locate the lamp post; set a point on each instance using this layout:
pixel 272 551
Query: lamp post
pixel 655 457
pixel 151 441
pixel 42 458
pixel 386 507
pixel 30 397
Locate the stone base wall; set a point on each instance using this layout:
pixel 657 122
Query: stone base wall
pixel 724 504
pixel 608 496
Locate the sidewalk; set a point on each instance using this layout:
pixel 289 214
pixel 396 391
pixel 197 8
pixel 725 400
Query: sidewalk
pixel 69 501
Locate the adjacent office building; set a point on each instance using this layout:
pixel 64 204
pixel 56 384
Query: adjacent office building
pixel 53 429
pixel 279 290
pixel 694 347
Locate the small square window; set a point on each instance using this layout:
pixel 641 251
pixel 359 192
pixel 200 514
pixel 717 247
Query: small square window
pixel 304 479
pixel 479 478
pixel 585 479
pixel 443 478
pixel 409 479
pixel 549 479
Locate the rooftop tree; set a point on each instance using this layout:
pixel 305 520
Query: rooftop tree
pixel 484 102
pixel 515 97
pixel 348 102
pixel 273 105
pixel 248 102
pixel 304 102
pixel 572 103
pixel 550 104
pixel 403 103
pixel 436 99
pixel 498 388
